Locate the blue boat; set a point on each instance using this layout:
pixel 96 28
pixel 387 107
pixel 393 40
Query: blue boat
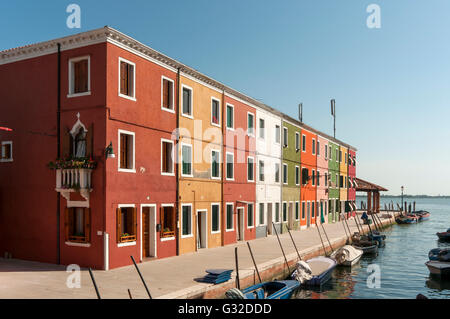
pixel 378 238
pixel 321 270
pixel 422 214
pixel 282 289
pixel 407 219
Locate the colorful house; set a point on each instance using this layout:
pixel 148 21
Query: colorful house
pixel 308 188
pixel 333 184
pixel 291 174
pixel 239 184
pixel 269 174
pixel 351 195
pixel 343 183
pixel 322 177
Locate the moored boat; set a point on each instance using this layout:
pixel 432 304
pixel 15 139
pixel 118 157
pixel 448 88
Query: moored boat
pixel 407 219
pixel 347 255
pixel 422 214
pixel 282 289
pixel 315 271
pixel 368 249
pixel 444 235
pixel 438 268
pixel 439 254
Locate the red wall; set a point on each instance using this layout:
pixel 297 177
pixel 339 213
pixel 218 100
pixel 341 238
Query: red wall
pixel 239 189
pixel 145 118
pixel 309 161
pixel 351 173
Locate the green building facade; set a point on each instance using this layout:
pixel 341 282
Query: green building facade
pixel 333 189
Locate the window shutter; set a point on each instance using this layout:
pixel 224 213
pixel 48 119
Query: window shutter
pixel 130 79
pixel 166 94
pixel 90 141
pixel 87 224
pixel 123 78
pixel 123 151
pixel 173 218
pixel 161 219
pixel 134 221
pixel 67 143
pixel 118 224
pixel 66 223
pixel 164 157
pixel 84 76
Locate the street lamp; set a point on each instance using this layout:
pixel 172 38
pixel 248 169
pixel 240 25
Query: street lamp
pixel 402 197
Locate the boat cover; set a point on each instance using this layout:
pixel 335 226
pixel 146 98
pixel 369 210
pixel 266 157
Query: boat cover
pixel 346 253
pixel 302 272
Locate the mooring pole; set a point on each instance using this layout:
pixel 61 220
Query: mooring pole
pixel 238 285
pixel 345 229
pixel 357 226
pixel 95 284
pixel 323 228
pixel 323 245
pixel 142 278
pixel 349 231
pixel 129 294
pixel 295 246
pixel 254 263
pixel 281 246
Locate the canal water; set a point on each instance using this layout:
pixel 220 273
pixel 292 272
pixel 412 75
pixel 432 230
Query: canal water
pixel 401 263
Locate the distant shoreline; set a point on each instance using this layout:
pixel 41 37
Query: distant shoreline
pixel 410 196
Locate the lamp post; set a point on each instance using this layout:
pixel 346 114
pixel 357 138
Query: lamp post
pixel 402 197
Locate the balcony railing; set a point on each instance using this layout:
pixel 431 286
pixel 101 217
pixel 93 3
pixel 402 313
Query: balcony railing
pixel 74 180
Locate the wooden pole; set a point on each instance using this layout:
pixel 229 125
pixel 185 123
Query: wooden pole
pixel 295 246
pixel 238 285
pixel 129 294
pixel 254 263
pixel 282 250
pixel 95 284
pixel 323 228
pixel 142 278
pixel 349 231
pixel 356 222
pixel 345 229
pixel 323 245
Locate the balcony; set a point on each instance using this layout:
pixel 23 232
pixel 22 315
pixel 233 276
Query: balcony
pixel 74 180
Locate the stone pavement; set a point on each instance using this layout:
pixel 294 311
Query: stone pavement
pixel 166 278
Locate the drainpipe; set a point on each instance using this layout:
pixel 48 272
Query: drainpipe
pixel 223 209
pixel 177 176
pixel 58 143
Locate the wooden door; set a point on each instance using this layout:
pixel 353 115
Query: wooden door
pixel 145 232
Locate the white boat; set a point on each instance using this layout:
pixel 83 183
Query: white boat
pixel 438 268
pixel 347 255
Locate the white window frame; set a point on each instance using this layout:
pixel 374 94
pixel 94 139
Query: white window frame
pixel 2 159
pixel 263 130
pixel 71 74
pixel 163 140
pixel 287 174
pixel 297 203
pixel 218 101
pixel 181 221
pixel 318 178
pixel 279 173
pixel 181 163
pixel 131 243
pixel 297 181
pixel 313 146
pixel 277 130
pixel 218 151
pixel 132 98
pixel 226 165
pixel 259 171
pixel 226 113
pixel 252 134
pixel 253 161
pixel 253 220
pixel 128 170
pixel 303 213
pixel 226 216
pixel 217 231
pixel 285 132
pixel 303 143
pixel 326 151
pixel 172 109
pixel 297 141
pixel 318 147
pixel 287 212
pixel 264 214
pixel 313 177
pixel 191 116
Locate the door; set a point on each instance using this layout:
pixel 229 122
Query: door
pixel 291 215
pixel 202 226
pixel 148 232
pixel 308 212
pixel 269 219
pixel 240 224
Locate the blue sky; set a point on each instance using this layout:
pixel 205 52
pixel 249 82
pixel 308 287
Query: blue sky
pixel 391 85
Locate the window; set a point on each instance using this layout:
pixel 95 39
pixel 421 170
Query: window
pixel 215 218
pixel 312 209
pixel 277 172
pixel 340 156
pixel 168 222
pixel 305 176
pixel 318 178
pixel 277 212
pixel 308 208
pixel 313 146
pixel 261 128
pixel 345 181
pixel 297 141
pixel 285 212
pixel 345 157
pixel 186 160
pixel 250 215
pixel 337 155
pixel 79 76
pixel 230 116
pixel 250 169
pixel 215 112
pixel 318 148
pixel 297 175
pixel 285 173
pixel 126 224
pixel 77 224
pixel 341 181
pixel 229 216
pixel 250 124
pixel 230 166
pixel 6 152
pixel 277 134
pixel 215 160
pixel 261 171
pixel 303 210
pixel 186 220
pixel 313 177
pixel 285 136
pixel 166 157
pixel 167 94
pixel 337 181
pixel 126 79
pixel 187 102
pixel 303 143
pixel 330 154
pixel 261 213
pixel 126 151
pixel 326 179
pixel 297 210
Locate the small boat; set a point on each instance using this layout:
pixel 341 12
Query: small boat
pixel 438 268
pixel 378 238
pixel 439 254
pixel 282 289
pixel 347 255
pixel 367 241
pixel 422 214
pixel 368 249
pixel 444 235
pixel 315 271
pixel 407 219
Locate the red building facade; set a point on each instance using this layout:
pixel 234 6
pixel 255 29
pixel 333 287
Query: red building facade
pixel 308 190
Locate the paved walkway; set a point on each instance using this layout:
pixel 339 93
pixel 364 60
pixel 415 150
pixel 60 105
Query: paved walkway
pixel 166 278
